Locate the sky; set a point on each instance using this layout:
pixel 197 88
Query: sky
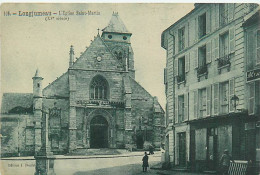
pixel 28 43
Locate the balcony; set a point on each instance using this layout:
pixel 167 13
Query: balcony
pixel 181 78
pixel 224 62
pixel 202 71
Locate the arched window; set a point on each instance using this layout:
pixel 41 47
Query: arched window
pixel 118 55
pixel 99 88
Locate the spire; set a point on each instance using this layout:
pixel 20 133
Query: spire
pixel 37 73
pixel 71 56
pixel 98 31
pixel 71 50
pixel 116 25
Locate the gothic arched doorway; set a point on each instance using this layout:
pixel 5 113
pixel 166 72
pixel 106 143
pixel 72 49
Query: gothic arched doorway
pixel 139 140
pixel 98 132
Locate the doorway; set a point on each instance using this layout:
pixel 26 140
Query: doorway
pixel 182 149
pixel 139 140
pixel 99 132
pixel 212 148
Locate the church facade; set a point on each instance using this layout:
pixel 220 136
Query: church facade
pixel 97 103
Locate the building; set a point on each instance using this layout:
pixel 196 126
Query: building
pixel 252 59
pixel 205 82
pixel 95 104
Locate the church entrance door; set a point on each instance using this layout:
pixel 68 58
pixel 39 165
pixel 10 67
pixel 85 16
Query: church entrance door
pixel 98 132
pixel 139 140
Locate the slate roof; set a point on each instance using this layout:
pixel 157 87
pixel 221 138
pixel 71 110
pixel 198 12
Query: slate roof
pixel 17 103
pixel 116 25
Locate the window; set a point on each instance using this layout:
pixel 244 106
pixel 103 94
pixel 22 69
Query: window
pixel 224 97
pixel 202 25
pixel 124 37
pixel 110 36
pixel 181 69
pixel 251 98
pixel 173 45
pixel 225 57
pixel 181 108
pixel 224 44
pixel 29 136
pixel 223 12
pixel 118 55
pixel 99 88
pixel 202 60
pixel 252 7
pixel 181 39
pixel 202 102
pixel 258 47
pixel 54 141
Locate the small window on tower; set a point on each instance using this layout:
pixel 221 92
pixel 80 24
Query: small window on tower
pixel 110 36
pixel 124 37
pixel 38 84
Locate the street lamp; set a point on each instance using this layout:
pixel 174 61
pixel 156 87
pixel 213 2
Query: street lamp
pixel 235 101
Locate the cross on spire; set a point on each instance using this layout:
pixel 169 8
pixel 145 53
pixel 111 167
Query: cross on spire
pixel 98 31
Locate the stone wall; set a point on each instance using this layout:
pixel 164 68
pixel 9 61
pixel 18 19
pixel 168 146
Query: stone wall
pixel 17 135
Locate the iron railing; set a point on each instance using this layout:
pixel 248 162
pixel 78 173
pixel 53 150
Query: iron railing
pixel 180 78
pixel 202 69
pixel 224 61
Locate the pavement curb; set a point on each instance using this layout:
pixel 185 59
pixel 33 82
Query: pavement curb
pixel 78 157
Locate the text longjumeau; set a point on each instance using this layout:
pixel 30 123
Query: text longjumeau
pixel 64 13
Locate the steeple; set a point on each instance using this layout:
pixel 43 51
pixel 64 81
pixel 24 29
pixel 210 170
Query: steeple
pixel 71 56
pixel 116 25
pixel 37 84
pixel 37 73
pixel 117 37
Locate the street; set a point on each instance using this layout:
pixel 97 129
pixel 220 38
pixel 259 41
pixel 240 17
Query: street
pixel 99 165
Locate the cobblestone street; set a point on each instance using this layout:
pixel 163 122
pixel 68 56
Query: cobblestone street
pixel 124 164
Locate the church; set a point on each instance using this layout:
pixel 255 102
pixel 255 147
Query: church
pixel 97 103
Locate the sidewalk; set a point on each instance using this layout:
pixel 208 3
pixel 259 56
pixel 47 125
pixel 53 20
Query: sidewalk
pixel 127 154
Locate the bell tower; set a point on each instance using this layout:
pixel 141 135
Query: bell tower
pixel 117 38
pixel 37 108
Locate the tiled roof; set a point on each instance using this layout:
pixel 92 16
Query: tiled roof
pixel 116 25
pixel 17 103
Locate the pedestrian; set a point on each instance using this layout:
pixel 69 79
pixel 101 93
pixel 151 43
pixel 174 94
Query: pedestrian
pixel 145 162
pixel 225 162
pixel 151 149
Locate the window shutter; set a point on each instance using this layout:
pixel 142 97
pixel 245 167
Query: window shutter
pixel 176 41
pixel 251 50
pixel 251 107
pixel 196 36
pixel 232 40
pixel 165 75
pixel 195 93
pixel 176 67
pixel 186 105
pixel 187 62
pixel 217 16
pixel 208 20
pixel 191 31
pixel 231 11
pixel 195 56
pixel 208 50
pixel 258 47
pixel 217 47
pixel 213 16
pixel 216 99
pixel 231 94
pixel 176 109
pixel 173 45
pixel 213 46
pixel 208 91
pixel 186 35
